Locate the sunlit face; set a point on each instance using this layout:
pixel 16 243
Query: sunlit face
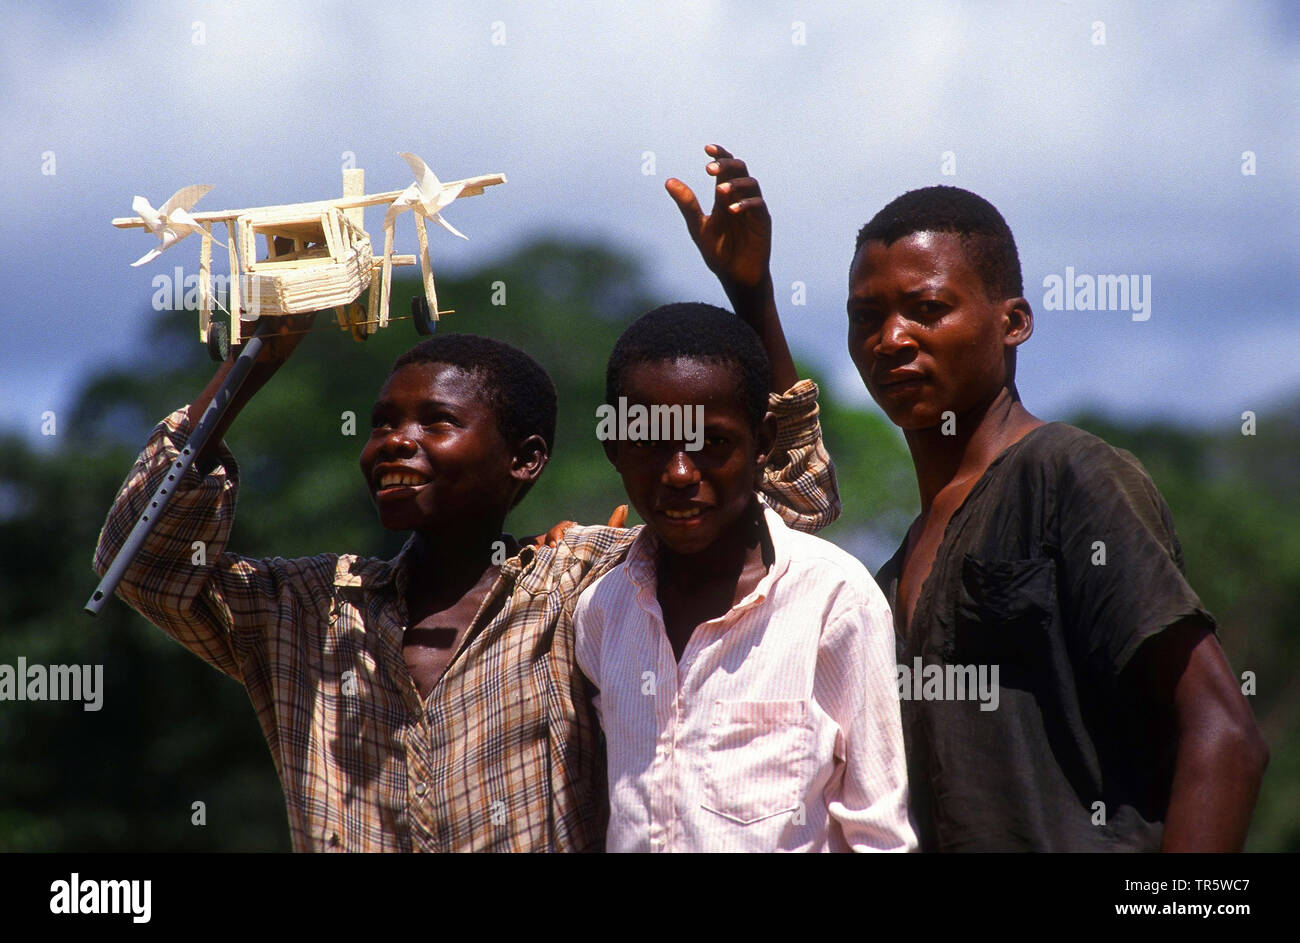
pixel 923 332
pixel 692 498
pixel 436 455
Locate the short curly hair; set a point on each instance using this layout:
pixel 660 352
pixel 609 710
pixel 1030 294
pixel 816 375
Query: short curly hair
pixel 515 386
pixel 696 331
pixel 986 237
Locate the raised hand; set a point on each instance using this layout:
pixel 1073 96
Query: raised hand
pixel 735 239
pixel 278 345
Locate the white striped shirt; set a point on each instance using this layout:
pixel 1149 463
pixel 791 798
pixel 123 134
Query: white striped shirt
pixel 778 731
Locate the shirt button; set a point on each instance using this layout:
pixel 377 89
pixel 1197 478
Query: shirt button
pixel 421 789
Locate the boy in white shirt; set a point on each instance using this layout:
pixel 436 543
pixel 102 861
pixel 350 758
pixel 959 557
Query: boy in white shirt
pixel 746 672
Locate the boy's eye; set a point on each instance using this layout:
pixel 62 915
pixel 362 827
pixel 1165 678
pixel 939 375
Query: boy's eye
pixel 932 308
pixel 715 441
pixel 437 419
pixel 863 316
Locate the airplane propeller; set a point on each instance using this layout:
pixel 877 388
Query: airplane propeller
pixel 172 221
pixel 427 196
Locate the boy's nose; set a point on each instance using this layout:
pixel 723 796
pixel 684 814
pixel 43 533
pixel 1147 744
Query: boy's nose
pixel 398 442
pixel 681 471
pixel 894 335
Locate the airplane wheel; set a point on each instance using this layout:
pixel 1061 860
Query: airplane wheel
pixel 420 315
pixel 218 341
pixel 357 320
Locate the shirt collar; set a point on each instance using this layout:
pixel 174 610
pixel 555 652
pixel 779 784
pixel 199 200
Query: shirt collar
pixel 375 575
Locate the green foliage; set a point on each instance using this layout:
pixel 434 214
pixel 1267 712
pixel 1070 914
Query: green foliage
pixel 173 731
pixel 876 482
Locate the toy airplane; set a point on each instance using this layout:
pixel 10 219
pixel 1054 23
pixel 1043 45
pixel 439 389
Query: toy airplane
pixel 318 254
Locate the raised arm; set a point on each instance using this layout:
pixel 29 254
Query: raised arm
pixel 735 241
pixel 799 478
pixel 182 580
pixel 276 349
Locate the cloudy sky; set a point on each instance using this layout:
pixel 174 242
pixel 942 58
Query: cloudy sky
pixel 1112 136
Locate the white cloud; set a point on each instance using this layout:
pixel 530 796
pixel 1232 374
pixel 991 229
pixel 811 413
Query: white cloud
pixel 1123 157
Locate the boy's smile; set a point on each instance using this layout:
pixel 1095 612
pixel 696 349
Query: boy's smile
pixel 436 455
pixel 691 498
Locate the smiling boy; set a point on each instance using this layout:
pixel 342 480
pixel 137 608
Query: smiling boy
pixel 1041 550
pixel 430 702
pixel 745 671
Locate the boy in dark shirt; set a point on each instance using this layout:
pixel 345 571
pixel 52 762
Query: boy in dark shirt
pixel 1042 552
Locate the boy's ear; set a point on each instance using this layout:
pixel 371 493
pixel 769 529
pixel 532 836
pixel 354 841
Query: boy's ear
pixel 611 451
pixel 1019 319
pixel 530 459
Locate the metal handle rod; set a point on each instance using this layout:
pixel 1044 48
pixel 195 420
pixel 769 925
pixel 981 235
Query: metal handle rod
pixel 198 439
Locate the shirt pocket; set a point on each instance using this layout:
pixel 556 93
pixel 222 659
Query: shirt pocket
pixel 757 760
pixel 1002 609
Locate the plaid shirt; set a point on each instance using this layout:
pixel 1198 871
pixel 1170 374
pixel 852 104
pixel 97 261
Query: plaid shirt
pixel 504 755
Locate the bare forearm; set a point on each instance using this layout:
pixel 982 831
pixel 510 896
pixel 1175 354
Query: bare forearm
pixel 1216 782
pixel 1219 753
pixel 757 307
pixel 276 346
pixel 255 380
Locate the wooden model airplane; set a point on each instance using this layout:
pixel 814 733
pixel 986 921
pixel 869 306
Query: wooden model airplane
pixel 318 254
